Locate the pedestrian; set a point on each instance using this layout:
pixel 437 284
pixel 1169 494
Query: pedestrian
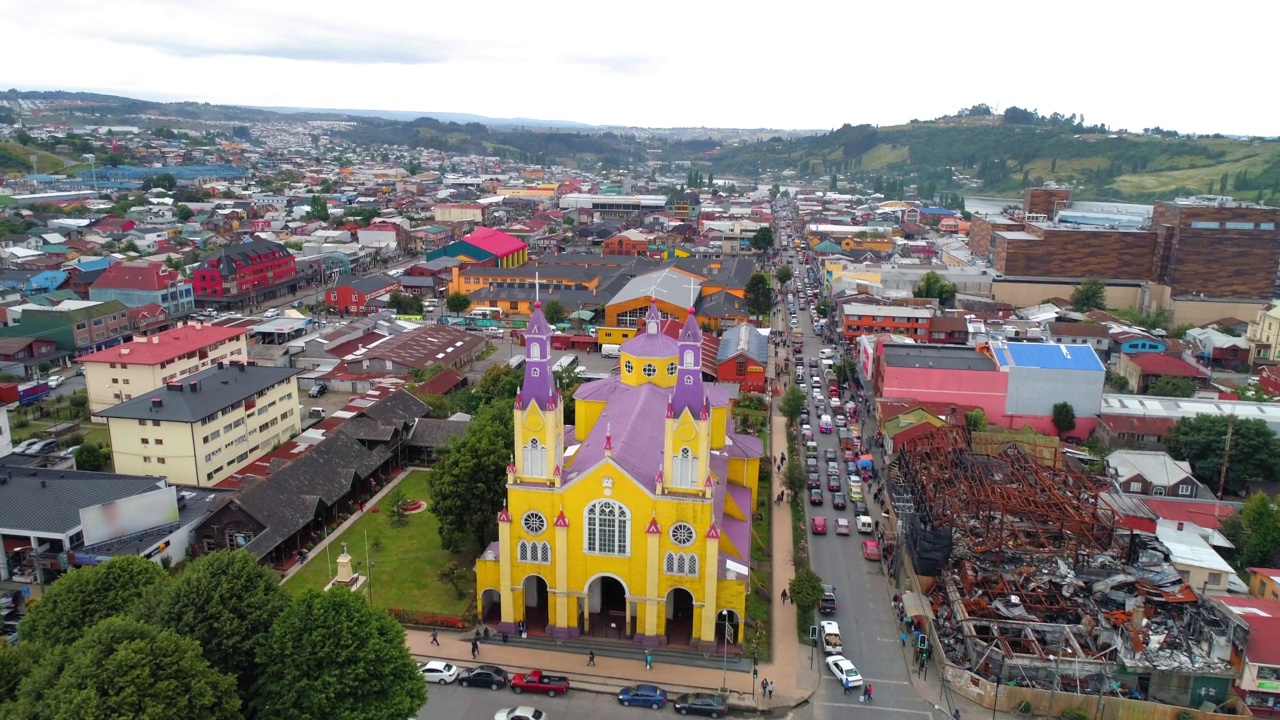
pixel 591 658
pixel 648 661
pixel 764 687
pixel 904 639
pixel 435 637
pixel 504 638
pixel 475 649
pixel 868 692
pixel 848 686
pixel 784 596
pixel 771 687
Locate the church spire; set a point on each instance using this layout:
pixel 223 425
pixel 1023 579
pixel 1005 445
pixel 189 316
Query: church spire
pixel 539 385
pixel 689 393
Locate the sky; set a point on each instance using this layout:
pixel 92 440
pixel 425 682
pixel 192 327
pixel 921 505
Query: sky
pixel 819 64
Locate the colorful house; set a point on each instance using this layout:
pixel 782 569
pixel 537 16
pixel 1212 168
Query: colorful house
pixel 486 244
pixel 354 295
pixel 602 536
pixel 743 357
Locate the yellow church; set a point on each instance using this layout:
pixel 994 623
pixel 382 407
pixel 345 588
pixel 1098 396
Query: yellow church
pixel 634 524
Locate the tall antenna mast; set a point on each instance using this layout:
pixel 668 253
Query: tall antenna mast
pixel 537 298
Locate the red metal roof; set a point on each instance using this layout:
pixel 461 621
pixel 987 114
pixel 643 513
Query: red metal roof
pixel 1161 364
pixel 141 275
pixel 1157 426
pixel 1208 514
pixel 163 346
pixel 495 242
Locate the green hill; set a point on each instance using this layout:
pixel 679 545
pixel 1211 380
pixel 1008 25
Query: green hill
pixel 1007 157
pixel 15 158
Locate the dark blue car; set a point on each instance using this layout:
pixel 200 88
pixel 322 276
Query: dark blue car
pixel 643 695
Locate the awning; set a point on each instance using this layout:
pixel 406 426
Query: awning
pixel 915 605
pixel 582 315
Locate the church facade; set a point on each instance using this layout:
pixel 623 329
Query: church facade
pixel 635 523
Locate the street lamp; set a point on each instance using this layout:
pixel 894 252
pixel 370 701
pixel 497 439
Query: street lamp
pixel 1053 689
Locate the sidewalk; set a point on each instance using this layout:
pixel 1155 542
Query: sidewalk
pixel 315 551
pixel 608 675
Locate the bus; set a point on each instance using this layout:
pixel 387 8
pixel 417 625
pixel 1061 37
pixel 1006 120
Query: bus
pixel 485 313
pixel 566 362
pixel 516 362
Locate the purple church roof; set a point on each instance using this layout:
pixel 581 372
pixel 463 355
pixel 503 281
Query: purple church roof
pixel 635 415
pixel 539 382
pixel 689 393
pixel 650 342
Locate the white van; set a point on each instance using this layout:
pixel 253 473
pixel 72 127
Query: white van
pixel 825 353
pixel 610 351
pixel 566 362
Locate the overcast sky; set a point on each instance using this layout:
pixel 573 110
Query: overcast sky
pixel 815 64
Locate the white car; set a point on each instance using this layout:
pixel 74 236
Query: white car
pixel 524 712
pixel 438 671
pixel 840 666
pixel 54 381
pixel 271 313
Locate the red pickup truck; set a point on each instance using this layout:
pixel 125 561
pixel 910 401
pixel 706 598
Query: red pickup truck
pixel 535 681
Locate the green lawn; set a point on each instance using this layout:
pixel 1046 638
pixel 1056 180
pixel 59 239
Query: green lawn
pixel 92 432
pixel 758 608
pixel 404 574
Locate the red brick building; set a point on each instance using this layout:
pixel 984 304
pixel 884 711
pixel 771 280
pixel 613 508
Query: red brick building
pixel 245 274
pixel 742 358
pixel 353 295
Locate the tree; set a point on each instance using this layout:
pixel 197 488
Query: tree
pixel 332 654
pixel 1201 440
pixel 396 514
pixel 792 404
pixel 227 602
pixel 1255 531
pixel 184 213
pixel 454 575
pixel 43 368
pixel 457 302
pixel 1089 295
pixel 554 312
pixel 976 420
pixel 823 308
pixel 762 240
pixel 932 285
pixel 15 664
pixel 1064 417
pixel 783 275
pixel 832 186
pixel 806 590
pixel 86 596
pixel 89 457
pixel 469 482
pixel 123 667
pixel 1172 386
pixel 759 295
pixel 319 208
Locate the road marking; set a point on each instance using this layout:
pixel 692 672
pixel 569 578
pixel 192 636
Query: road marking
pixel 867 679
pixel 876 706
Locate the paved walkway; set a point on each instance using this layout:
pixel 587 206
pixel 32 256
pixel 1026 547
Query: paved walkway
pixel 315 551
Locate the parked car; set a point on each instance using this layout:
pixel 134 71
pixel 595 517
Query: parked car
pixel 712 706
pixel 490 676
pixel 297 304
pixel 871 549
pixel 273 312
pixel 317 390
pixel 79 369
pixel 44 447
pixel 536 681
pixel 650 696
pixel 524 712
pixel 820 525
pixel 827 605
pixel 438 671
pixel 54 381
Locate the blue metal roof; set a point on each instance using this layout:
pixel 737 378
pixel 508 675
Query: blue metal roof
pixel 1047 356
pixel 936 211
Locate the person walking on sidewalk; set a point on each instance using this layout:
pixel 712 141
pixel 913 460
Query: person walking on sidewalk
pixel 591 658
pixel 435 637
pixel 648 661
pixel 771 687
pixel 784 596
pixel 764 687
pixel 475 649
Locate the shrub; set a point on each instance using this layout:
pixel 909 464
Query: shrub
pixel 1075 714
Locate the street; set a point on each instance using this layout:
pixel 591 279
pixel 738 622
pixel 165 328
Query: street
pixel 868 625
pixel 452 702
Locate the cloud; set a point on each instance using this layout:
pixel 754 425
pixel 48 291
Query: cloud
pixel 616 64
pixel 310 49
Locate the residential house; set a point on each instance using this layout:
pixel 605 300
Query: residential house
pixel 22 356
pixel 353 295
pixel 1259 663
pixel 1152 472
pixel 1264 334
pixel 1094 335
pixel 1217 349
pixel 78 326
pixel 418 350
pixel 249 273
pixel 1144 368
pixel 120 373
pixel 948 330
pixel 1264 583
pixel 630 242
pixel 32 282
pixel 1194 557
pixel 145 283
pixel 201 429
pixel 723 309
pixel 1131 431
pixel 448 212
pixel 1130 341
pixel 743 358
pixel 858 319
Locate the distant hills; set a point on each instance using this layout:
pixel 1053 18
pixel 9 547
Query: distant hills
pixel 460 118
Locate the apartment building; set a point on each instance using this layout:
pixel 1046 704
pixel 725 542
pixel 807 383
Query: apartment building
pixel 121 373
pixel 862 319
pixel 200 430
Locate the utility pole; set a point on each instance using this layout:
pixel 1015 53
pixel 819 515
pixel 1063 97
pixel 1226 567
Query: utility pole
pixel 1226 456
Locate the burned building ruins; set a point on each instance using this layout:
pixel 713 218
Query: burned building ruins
pixel 1032 581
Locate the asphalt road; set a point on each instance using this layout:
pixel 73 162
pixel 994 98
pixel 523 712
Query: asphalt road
pixel 451 702
pixel 868 625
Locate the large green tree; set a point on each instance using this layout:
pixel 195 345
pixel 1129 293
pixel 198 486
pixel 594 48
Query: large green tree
pixel 319 208
pixel 762 240
pixel 333 655
pixel 759 295
pixel 125 668
pixel 1089 295
pixel 227 602
pixel 792 404
pixel 1172 386
pixel 1255 531
pixel 554 312
pixel 784 275
pixel 457 302
pixel 15 663
pixel 1201 440
pixel 469 482
pixel 1064 417
pixel 932 285
pixel 86 596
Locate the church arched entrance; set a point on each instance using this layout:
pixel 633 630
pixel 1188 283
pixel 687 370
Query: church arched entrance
pixel 728 627
pixel 679 617
pixel 535 604
pixel 490 607
pixel 610 614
